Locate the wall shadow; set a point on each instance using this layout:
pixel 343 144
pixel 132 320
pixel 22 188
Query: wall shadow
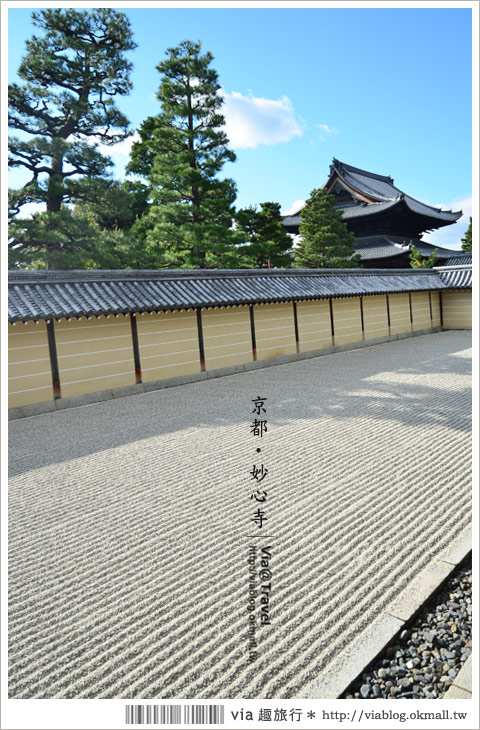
pixel 421 381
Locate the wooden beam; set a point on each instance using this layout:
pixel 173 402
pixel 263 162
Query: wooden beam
pixel 295 322
pixel 332 324
pixel 136 349
pixel 52 348
pixel 252 332
pixel 201 345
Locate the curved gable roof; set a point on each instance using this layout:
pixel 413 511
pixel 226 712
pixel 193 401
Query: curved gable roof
pixel 381 188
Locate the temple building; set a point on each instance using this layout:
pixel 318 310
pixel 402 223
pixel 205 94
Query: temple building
pixel 386 221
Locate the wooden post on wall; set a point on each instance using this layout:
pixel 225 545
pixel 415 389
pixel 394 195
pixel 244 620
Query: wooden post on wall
pixel 440 301
pixel 52 348
pixel 388 316
pixel 252 332
pixel 430 305
pixel 332 324
pixel 411 311
pixel 361 317
pixel 295 322
pixel 201 345
pixel 136 349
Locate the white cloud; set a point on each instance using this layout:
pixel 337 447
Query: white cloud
pixel 449 236
pixel 119 153
pixel 294 208
pixel 252 121
pixel 325 130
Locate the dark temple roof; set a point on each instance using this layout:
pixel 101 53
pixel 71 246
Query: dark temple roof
pixel 380 247
pixel 381 189
pixel 35 295
pixel 381 195
pixel 384 246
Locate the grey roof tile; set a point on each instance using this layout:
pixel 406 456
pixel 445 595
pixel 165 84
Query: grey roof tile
pixel 459 259
pixel 57 294
pixel 382 188
pixel 457 277
pixel 363 209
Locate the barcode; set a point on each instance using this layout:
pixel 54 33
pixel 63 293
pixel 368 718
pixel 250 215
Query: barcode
pixel 172 714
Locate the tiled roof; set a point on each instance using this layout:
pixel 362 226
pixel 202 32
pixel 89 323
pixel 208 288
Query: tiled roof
pixel 384 195
pixel 427 248
pixel 292 220
pixel 382 189
pixel 363 209
pixel 455 277
pixel 460 259
pixel 35 295
pixel 383 246
pixel 351 211
pixel 380 247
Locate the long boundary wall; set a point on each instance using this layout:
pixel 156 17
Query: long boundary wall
pixel 59 364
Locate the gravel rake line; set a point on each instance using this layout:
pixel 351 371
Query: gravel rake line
pixel 143 661
pixel 282 553
pixel 345 519
pixel 389 576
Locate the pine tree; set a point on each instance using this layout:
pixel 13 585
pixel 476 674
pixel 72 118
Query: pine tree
pixel 467 239
pixel 181 152
pixel 418 260
pixel 325 240
pixel 66 106
pixel 269 243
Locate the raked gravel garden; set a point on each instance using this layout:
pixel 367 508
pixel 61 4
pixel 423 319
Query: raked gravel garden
pixel 129 521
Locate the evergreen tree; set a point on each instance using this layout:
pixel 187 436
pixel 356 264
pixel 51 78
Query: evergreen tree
pixel 467 239
pixel 117 205
pixel 325 240
pixel 112 217
pixel 269 243
pixel 418 260
pixel 181 152
pixel 53 240
pixel 66 106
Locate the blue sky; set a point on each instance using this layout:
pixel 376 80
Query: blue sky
pixel 387 90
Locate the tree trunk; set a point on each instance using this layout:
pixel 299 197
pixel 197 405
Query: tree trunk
pixel 54 202
pixel 55 185
pixel 200 253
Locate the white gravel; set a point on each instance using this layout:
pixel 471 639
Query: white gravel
pixel 128 572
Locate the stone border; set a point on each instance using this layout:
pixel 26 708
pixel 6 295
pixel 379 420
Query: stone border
pixel 461 689
pixel 36 409
pixel 352 661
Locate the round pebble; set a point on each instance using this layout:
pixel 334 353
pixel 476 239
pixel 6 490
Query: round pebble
pixel 426 656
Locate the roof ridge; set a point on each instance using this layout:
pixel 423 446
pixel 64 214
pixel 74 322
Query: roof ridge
pixel 367 173
pixel 34 277
pixel 453 267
